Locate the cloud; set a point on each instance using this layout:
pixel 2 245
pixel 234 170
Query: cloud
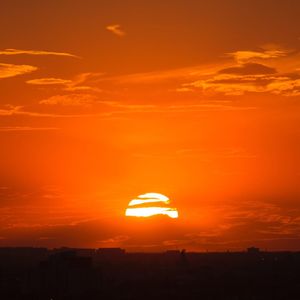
pixel 35 52
pixel 10 110
pixel 49 81
pixel 70 100
pixel 245 74
pixel 184 90
pixel 234 223
pixel 285 86
pixel 240 73
pixel 82 82
pixel 252 77
pixel 85 105
pixel 164 75
pixel 116 29
pixel 245 56
pixel 10 70
pixel 115 240
pixel 229 85
pixel 225 153
pixel 225 78
pixel 25 128
pixel 249 69
pixel 117 108
pixel 207 107
pixel 279 84
pixel 262 221
pixel 78 84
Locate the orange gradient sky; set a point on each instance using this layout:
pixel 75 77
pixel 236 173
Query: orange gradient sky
pixel 102 101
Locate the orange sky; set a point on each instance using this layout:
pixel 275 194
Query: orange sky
pixel 101 101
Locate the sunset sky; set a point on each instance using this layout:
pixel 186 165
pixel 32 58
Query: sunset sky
pixel 105 100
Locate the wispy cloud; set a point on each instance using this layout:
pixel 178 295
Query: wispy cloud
pixel 90 105
pixel 35 52
pixel 83 81
pixel 25 128
pixel 11 110
pixel 262 221
pixel 70 100
pixel 231 84
pixel 207 107
pixel 225 153
pixel 271 69
pixel 78 84
pixel 249 69
pixel 120 239
pixel 116 29
pixel 116 107
pixel 249 75
pixel 49 81
pixel 246 55
pixel 176 75
pixel 11 70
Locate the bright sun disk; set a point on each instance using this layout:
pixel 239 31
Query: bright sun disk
pixel 136 208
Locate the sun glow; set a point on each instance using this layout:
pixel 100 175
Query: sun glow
pixel 136 208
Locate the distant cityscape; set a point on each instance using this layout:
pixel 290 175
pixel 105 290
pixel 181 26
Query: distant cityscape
pixel 113 273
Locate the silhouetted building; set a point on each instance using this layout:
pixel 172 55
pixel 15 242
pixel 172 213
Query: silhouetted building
pixel 22 256
pixel 253 250
pixel 87 252
pixel 172 252
pixel 110 252
pixel 65 273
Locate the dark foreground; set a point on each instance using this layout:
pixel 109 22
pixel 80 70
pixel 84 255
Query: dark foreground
pixel 40 274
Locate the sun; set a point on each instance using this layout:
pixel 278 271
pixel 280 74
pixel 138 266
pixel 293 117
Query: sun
pixel 151 204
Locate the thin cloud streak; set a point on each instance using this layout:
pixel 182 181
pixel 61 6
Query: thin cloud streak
pixel 11 70
pixel 121 109
pixel 35 52
pixel 77 84
pixel 247 55
pixel 49 81
pixel 116 29
pixel 70 100
pixel 240 73
pixel 26 128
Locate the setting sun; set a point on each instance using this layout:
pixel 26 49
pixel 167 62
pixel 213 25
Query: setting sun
pixel 192 100
pixel 150 149
pixel 140 207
